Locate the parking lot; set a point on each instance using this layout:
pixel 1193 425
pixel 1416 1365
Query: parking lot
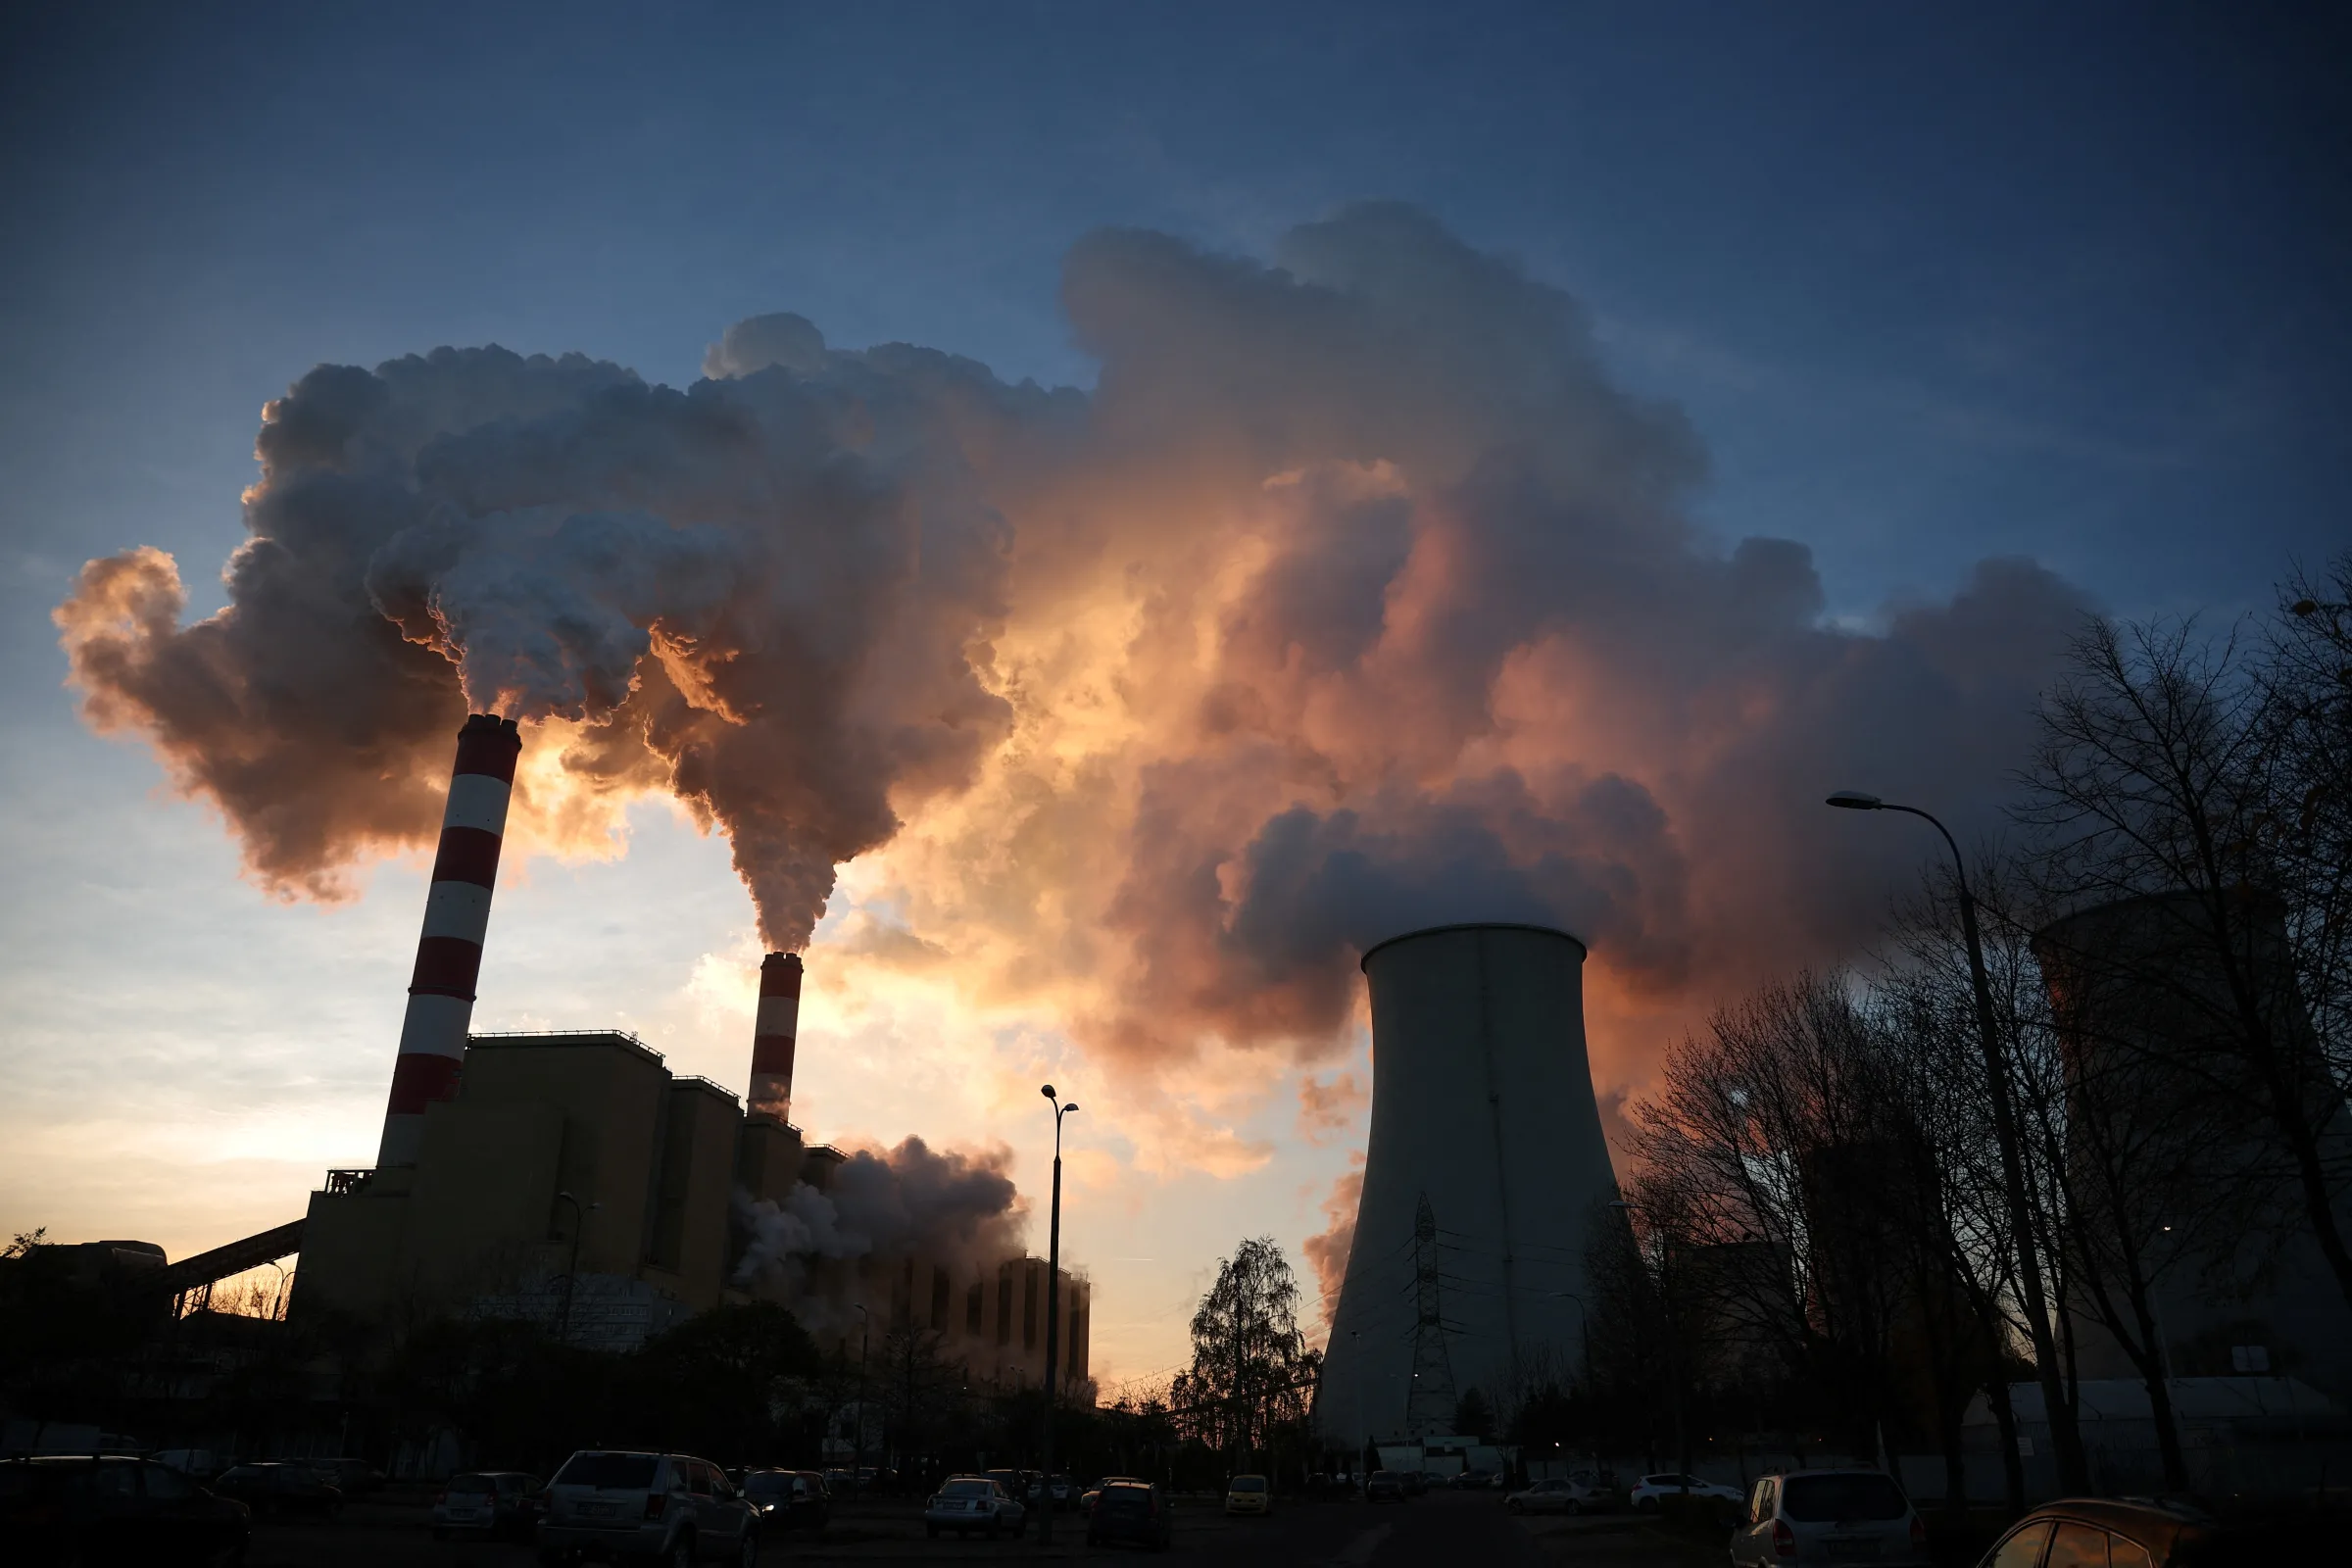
pixel 1441 1528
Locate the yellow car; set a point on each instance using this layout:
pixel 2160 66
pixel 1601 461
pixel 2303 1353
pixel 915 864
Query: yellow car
pixel 1249 1494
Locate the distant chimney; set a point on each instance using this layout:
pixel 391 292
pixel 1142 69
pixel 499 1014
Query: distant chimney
pixel 457 913
pixel 772 1035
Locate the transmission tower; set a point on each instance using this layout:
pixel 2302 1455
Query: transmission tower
pixel 1429 1407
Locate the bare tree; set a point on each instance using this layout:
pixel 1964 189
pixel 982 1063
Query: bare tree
pixel 1780 1176
pixel 2156 791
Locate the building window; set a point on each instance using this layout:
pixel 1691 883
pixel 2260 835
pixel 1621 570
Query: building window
pixel 975 1304
pixel 1004 1306
pixel 1028 1308
pixel 938 1299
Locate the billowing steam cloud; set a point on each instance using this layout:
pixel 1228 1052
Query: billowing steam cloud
pixel 1356 597
pixel 941 1207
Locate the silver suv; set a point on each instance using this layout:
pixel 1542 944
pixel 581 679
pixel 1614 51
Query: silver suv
pixel 1830 1516
pixel 607 1505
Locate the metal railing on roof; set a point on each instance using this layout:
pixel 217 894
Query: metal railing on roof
pixel 562 1034
pixel 698 1078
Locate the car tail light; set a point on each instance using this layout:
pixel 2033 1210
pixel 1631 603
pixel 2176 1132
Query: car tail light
pixel 1919 1534
pixel 440 1498
pixel 1784 1538
pixel 655 1505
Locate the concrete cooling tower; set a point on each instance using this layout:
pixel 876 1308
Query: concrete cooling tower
pixel 1486 1168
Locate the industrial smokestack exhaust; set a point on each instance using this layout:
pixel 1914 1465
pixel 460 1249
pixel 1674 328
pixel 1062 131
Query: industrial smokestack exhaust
pixel 773 1034
pixel 457 915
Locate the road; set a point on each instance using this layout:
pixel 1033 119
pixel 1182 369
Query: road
pixel 1443 1528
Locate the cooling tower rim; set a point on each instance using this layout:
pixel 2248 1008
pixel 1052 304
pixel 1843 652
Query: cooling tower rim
pixel 1366 963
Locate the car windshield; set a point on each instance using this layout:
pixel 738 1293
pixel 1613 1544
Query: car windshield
pixel 1249 1482
pixel 768 1484
pixel 472 1483
pixel 967 1488
pixel 616 1471
pixel 1821 1499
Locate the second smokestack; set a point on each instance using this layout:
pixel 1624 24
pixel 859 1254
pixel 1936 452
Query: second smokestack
pixel 773 1035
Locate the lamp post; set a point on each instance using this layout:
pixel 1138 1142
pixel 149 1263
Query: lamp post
pixel 572 1270
pixel 277 1304
pixel 1045 1516
pixel 1674 1364
pixel 2072 1470
pixel 866 1328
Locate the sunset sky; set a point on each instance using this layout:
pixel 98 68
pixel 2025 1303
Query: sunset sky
pixel 1517 460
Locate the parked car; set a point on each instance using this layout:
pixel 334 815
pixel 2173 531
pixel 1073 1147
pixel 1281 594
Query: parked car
pixel 1414 1481
pixel 1249 1494
pixel 790 1499
pixel 672 1507
pixel 1822 1517
pixel 1385 1486
pixel 1475 1481
pixel 1649 1489
pixel 841 1483
pixel 1131 1511
pixel 1086 1498
pixel 279 1485
pixel 501 1503
pixel 1062 1493
pixel 352 1477
pixel 969 1503
pixel 1559 1494
pixel 2164 1535
pixel 199 1466
pixel 115 1509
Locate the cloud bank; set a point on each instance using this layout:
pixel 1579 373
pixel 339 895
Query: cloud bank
pixel 1357 596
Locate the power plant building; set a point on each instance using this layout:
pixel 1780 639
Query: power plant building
pixel 1484 1172
pixel 572 1177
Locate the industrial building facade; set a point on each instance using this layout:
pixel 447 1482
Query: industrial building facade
pixel 572 1177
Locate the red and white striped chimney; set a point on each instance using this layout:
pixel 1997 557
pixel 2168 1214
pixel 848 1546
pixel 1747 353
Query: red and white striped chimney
pixel 457 915
pixel 773 1034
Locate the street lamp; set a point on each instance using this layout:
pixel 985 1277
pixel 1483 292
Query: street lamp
pixel 865 1327
pixel 277 1305
pixel 1674 1365
pixel 573 1269
pixel 1044 1517
pixel 2004 1127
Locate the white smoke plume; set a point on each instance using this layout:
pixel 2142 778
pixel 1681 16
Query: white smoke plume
pixel 1356 596
pixel 913 1202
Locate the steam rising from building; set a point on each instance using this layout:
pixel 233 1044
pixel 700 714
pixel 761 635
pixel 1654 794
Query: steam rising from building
pixel 1357 597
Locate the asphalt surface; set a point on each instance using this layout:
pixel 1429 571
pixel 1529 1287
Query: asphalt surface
pixel 1443 1528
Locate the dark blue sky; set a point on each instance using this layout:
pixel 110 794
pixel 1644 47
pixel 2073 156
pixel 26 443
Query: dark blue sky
pixel 1931 288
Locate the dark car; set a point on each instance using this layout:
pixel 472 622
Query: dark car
pixel 352 1477
pixel 108 1509
pixel 2161 1535
pixel 841 1483
pixel 500 1504
pixel 1385 1486
pixel 1130 1512
pixel 1414 1481
pixel 790 1499
pixel 278 1486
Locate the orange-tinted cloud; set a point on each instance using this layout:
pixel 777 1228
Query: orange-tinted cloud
pixel 1357 597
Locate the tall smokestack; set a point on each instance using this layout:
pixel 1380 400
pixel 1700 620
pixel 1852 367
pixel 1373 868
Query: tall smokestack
pixel 457 913
pixel 772 1035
